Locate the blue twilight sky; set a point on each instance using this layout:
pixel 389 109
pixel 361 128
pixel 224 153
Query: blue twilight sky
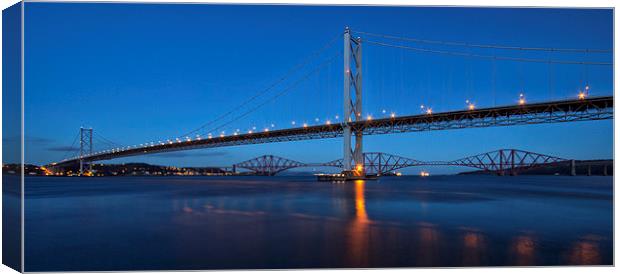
pixel 140 72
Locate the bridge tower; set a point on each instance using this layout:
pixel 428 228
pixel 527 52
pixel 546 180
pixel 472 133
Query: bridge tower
pixel 352 105
pixel 86 147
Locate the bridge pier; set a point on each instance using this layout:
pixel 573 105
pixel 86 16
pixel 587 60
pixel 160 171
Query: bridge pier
pixel 573 169
pixel 86 148
pixel 605 170
pixel 352 104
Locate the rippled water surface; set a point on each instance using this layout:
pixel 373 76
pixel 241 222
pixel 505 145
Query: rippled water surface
pixel 134 223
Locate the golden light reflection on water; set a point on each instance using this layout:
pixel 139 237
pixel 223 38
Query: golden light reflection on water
pixel 360 202
pixel 427 252
pixel 358 253
pixel 472 240
pixel 585 252
pixel 523 250
pixel 359 240
pixel 474 248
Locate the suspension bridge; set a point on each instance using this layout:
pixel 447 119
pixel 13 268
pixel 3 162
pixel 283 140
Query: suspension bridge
pixel 353 125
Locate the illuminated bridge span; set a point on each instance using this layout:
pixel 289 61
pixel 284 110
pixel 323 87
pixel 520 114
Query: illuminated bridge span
pixel 501 162
pixel 599 108
pixel 353 123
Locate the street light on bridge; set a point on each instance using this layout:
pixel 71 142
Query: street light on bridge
pixel 521 99
pixel 470 105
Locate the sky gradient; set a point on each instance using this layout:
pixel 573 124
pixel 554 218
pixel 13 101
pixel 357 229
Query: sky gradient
pixel 139 72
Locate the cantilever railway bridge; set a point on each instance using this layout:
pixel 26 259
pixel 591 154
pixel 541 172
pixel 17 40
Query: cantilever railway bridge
pixel 501 162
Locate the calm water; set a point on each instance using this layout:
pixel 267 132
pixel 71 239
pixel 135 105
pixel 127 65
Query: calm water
pixel 133 223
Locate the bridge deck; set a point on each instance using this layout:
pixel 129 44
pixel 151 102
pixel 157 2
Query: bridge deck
pixel 595 108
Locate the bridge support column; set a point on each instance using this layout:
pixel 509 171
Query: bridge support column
pixel 573 170
pixel 86 147
pixel 352 106
pixel 589 170
pixel 605 170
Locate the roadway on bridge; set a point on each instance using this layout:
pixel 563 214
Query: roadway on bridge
pixel 595 108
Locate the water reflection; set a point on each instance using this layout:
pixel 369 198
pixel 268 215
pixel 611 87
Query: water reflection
pixel 522 250
pixel 427 252
pixel 250 224
pixel 586 251
pixel 428 246
pixel 360 202
pixel 474 247
pixel 358 252
pixel 187 208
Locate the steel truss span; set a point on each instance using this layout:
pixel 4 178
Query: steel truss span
pixel 380 163
pixel 505 161
pixel 502 161
pixel 269 164
pixel 595 108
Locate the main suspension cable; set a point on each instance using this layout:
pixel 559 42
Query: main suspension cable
pixel 107 141
pixel 284 91
pixel 71 148
pixel 288 74
pixel 487 46
pixel 516 59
